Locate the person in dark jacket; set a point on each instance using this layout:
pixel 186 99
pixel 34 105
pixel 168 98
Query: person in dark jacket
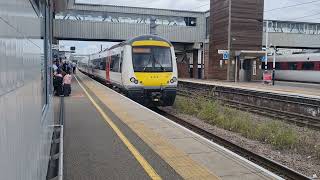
pixel 57 83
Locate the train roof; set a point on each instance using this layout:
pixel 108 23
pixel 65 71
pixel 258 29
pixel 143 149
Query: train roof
pixel 297 57
pixel 140 38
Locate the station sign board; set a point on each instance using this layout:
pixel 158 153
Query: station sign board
pixel 263 58
pixel 225 54
pixel 223 51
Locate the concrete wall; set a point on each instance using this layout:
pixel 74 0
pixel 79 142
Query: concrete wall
pixel 25 109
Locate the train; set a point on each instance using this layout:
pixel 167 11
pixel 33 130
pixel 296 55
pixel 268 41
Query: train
pixel 297 67
pixel 144 68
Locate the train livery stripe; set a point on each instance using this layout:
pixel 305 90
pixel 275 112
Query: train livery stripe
pixel 153 79
pixel 151 43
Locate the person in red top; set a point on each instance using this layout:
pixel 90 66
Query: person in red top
pixel 67 84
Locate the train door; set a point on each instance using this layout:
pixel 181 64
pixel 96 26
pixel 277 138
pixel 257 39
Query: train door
pixel 121 62
pixel 115 74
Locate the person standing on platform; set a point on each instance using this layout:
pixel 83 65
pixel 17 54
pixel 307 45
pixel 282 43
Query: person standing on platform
pixel 66 66
pixel 57 83
pixel 74 67
pixel 67 84
pixel 55 67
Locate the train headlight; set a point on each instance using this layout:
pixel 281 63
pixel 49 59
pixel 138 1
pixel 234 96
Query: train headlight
pixel 173 80
pixel 134 80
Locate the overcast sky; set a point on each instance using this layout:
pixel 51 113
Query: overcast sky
pixel 298 13
pixel 306 13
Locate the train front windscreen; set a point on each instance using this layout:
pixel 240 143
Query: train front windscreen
pixel 152 59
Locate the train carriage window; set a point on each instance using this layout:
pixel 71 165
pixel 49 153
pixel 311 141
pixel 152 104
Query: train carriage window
pixel 308 66
pixel 293 65
pixel 284 65
pixel 278 66
pixel 103 64
pixel 115 63
pixel 270 65
pixel 152 59
pixel 299 66
pixel 111 64
pixel 96 63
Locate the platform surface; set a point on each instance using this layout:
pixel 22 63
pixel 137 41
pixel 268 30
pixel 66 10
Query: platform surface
pixel 94 149
pixel 281 87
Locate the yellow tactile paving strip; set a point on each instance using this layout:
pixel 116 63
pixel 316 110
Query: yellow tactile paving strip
pixel 177 159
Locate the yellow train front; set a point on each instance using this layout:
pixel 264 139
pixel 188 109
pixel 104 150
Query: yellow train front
pixel 144 68
pixel 151 78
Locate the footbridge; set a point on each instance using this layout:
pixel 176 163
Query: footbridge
pixel 74 21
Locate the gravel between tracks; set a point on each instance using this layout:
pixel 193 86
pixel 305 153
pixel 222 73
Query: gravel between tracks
pixel 304 162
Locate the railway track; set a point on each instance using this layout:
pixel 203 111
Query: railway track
pixel 291 117
pixel 269 164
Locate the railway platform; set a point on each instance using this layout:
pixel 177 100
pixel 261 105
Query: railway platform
pixel 108 136
pixel 307 90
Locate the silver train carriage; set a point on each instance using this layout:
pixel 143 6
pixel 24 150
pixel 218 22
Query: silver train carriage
pixel 297 67
pixel 144 68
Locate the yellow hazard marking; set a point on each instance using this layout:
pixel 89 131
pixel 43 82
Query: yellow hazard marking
pixel 151 43
pixel 153 79
pixel 143 162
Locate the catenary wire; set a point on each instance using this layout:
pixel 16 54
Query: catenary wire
pixel 290 6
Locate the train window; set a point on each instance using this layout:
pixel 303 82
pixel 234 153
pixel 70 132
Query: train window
pixel 103 64
pixel 284 65
pixel 111 64
pixel 96 63
pixel 115 63
pixel 270 65
pixel 308 66
pixel 293 65
pixel 278 66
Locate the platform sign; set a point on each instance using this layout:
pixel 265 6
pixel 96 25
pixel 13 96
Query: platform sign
pixel 222 51
pixel 263 58
pixel 226 56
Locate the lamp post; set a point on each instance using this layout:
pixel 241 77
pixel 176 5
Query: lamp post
pixel 274 65
pixel 267 41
